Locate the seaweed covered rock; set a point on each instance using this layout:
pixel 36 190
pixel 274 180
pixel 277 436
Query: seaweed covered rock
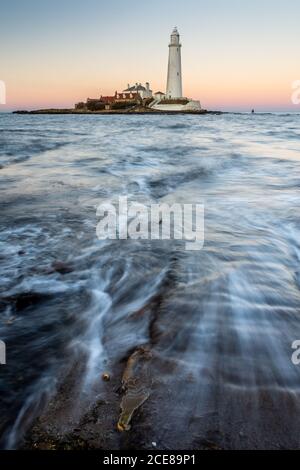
pixel 136 385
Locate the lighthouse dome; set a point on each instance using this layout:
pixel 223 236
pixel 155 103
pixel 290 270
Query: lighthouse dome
pixel 175 37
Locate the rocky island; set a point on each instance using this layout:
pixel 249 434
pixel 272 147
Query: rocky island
pixel 139 99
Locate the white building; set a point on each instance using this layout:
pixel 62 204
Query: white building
pixel 173 99
pixel 174 82
pixel 143 91
pixel 159 95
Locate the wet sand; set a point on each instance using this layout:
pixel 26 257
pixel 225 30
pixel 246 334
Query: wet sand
pixel 235 419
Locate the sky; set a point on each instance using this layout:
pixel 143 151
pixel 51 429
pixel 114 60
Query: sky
pixel 236 54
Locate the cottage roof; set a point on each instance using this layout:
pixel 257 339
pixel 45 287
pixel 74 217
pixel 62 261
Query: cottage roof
pixel 107 99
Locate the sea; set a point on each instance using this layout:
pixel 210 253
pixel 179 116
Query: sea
pixel 222 322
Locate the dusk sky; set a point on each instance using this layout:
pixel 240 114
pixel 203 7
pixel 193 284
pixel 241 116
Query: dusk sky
pixel 236 54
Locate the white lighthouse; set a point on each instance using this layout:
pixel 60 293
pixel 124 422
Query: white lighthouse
pixel 174 82
pixel 173 99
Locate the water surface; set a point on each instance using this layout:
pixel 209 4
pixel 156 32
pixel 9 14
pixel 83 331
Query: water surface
pixel 219 322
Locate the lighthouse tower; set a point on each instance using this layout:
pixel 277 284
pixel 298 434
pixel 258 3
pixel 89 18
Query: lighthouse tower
pixel 174 83
pixel 173 99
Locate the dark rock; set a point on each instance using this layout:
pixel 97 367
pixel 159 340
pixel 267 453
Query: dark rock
pixel 61 267
pixel 24 300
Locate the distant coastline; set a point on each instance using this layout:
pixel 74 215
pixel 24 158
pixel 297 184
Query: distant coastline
pixel 142 110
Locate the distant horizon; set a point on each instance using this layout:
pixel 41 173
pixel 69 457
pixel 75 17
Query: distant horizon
pixel 217 110
pixel 235 58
